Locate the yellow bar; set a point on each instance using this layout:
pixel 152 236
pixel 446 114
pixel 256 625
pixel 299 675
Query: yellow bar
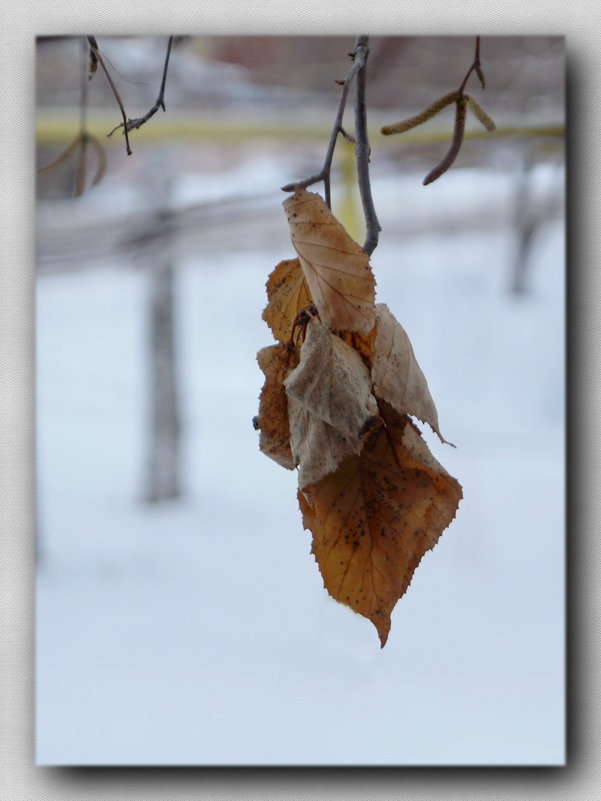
pixel 59 128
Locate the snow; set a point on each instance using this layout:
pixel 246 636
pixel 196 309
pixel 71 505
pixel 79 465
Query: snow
pixel 199 632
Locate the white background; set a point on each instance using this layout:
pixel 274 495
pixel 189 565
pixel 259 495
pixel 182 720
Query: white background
pixel 200 633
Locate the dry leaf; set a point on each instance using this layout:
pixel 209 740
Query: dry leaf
pixel 331 381
pixel 317 448
pixel 336 268
pixel 330 404
pixel 396 375
pixel 362 343
pixel 337 407
pixel 287 294
pixel 374 518
pixel 276 362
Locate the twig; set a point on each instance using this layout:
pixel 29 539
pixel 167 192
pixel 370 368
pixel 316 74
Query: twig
pixel 462 102
pixel 94 46
pixel 160 101
pixel 362 150
pixel 324 173
pixel 475 66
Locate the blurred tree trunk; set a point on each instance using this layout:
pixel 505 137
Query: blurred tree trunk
pixel 527 221
pixel 162 479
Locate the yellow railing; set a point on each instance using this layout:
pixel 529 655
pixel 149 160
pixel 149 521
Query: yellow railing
pixel 54 127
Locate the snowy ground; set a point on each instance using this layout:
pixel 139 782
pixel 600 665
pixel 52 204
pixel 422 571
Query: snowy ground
pixel 200 632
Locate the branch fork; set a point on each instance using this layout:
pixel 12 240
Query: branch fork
pixel 358 70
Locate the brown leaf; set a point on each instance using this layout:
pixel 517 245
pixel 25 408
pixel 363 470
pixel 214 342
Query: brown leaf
pixel 336 268
pixel 287 294
pixel 374 518
pixel 396 375
pixel 317 448
pixel 331 381
pixel 276 362
pixel 331 407
pixel 362 343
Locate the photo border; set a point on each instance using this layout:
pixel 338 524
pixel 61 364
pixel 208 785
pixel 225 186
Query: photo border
pixel 577 20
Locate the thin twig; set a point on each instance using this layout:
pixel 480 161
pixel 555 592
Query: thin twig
pixel 324 173
pixel 474 67
pixel 160 101
pixel 361 141
pixel 362 149
pixel 94 46
pixel 462 101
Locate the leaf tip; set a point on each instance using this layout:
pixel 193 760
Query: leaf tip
pixel 383 629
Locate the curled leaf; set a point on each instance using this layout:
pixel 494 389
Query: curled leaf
pixel 336 268
pixel 373 519
pixel 331 381
pixel 396 375
pixel 276 362
pixel 287 294
pixel 330 403
pixel 317 448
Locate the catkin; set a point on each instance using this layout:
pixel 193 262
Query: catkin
pixel 460 109
pixel 480 114
pixel 430 111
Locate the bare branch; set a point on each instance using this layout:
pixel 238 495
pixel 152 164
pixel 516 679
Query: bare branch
pixel 461 101
pixel 362 149
pixel 160 101
pixel 474 67
pixel 324 173
pixel 94 46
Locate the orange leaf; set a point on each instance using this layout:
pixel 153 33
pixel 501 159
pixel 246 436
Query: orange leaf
pixel 287 294
pixel 336 268
pixel 276 361
pixel 396 375
pixel 374 518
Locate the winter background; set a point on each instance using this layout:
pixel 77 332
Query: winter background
pixel 198 631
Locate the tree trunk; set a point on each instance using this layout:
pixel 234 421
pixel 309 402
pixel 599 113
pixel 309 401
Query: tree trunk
pixel 163 467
